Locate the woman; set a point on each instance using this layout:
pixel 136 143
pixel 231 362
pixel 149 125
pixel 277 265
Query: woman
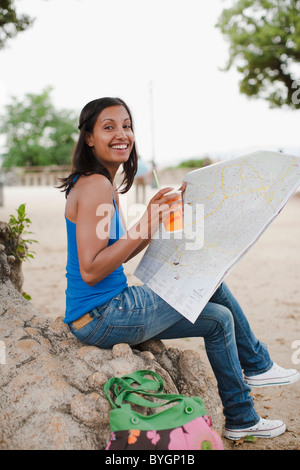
pixel 102 310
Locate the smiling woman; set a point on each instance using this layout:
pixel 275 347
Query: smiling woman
pixel 112 138
pixel 86 159
pixel 98 240
pixel 102 310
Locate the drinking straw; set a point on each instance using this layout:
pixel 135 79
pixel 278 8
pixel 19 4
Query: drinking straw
pixel 156 179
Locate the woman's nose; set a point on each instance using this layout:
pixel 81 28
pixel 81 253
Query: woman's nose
pixel 121 134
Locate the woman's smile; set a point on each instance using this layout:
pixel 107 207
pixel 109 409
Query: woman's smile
pixel 120 147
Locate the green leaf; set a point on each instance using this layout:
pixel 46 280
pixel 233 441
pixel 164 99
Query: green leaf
pixel 12 220
pixel 250 439
pixel 21 210
pixel 26 296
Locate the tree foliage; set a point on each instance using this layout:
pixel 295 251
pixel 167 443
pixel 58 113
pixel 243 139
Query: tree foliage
pixel 11 23
pixel 195 163
pixel 264 38
pixel 36 133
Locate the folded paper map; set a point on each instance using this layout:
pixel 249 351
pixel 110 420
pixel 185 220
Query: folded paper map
pixel 227 207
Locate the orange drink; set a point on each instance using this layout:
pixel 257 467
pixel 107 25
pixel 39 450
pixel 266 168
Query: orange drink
pixel 174 222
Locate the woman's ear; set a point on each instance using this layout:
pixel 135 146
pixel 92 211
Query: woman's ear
pixel 89 140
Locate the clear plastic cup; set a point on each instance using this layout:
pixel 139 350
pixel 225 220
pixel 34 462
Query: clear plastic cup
pixel 174 222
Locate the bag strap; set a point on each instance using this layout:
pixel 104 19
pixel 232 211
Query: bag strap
pixel 145 383
pixel 125 392
pixel 123 384
pixel 136 399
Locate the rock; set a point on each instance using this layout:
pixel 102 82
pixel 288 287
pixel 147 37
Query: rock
pixel 122 350
pixel 10 267
pixel 97 379
pixel 51 385
pixel 85 408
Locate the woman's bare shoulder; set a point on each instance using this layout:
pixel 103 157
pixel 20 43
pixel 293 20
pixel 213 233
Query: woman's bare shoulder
pixel 87 194
pixel 94 179
pixel 94 186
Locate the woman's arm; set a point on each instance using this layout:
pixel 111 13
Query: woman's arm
pixel 140 248
pixel 142 245
pixel 95 209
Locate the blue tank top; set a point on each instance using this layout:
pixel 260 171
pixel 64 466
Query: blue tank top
pixel 80 297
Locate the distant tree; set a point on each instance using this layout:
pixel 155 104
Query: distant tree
pixel 264 38
pixel 195 163
pixel 10 23
pixel 36 133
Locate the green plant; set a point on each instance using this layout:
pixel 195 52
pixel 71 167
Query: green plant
pixel 18 228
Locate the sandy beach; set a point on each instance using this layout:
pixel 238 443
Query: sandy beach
pixel 266 282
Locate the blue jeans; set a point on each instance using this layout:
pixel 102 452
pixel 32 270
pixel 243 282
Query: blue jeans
pixel 138 314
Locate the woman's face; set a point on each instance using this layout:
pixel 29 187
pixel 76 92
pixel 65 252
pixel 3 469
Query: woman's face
pixel 112 138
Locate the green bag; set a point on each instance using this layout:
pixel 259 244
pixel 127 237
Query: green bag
pixel 181 425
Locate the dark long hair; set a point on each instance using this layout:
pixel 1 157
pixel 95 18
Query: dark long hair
pixel 84 161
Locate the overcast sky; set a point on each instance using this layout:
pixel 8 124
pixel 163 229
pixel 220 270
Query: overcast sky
pixel 86 49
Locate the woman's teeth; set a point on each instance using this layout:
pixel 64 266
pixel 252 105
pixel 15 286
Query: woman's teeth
pixel 120 147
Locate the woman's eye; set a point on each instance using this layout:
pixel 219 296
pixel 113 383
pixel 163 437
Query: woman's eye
pixel 126 126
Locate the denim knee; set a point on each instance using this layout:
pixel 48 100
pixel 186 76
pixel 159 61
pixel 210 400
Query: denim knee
pixel 222 330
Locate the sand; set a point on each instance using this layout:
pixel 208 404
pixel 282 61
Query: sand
pixel 266 282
